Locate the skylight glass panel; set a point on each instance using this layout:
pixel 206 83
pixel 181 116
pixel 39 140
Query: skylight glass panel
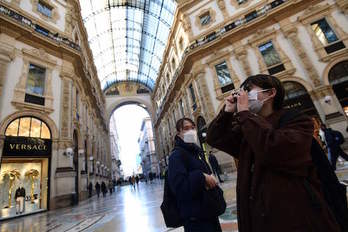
pixel 127 37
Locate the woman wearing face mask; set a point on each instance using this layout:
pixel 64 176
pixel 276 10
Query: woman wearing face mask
pixel 272 161
pixel 189 175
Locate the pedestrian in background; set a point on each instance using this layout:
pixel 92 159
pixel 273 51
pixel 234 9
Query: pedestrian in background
pixel 334 139
pixel 104 189
pixel 90 189
pixel 97 188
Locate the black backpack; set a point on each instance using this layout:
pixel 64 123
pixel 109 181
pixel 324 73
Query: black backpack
pixel 334 191
pixel 169 207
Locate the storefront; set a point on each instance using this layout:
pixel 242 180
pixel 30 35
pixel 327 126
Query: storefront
pixel 25 168
pixel 296 97
pixel 338 78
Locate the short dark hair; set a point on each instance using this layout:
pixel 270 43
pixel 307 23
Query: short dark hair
pixel 265 81
pixel 180 123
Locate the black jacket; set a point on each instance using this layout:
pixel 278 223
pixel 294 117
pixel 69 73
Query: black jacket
pixel 20 192
pixel 186 179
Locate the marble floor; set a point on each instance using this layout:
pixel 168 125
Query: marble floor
pixel 126 210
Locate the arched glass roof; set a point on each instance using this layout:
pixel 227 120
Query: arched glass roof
pixel 128 38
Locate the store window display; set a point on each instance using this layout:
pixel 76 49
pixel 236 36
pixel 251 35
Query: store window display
pixel 24 178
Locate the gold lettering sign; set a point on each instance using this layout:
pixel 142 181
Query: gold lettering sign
pixel 27 147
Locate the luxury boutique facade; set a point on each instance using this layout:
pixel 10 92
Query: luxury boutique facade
pixel 53 134
pixel 214 45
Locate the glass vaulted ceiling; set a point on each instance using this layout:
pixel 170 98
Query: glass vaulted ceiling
pixel 127 38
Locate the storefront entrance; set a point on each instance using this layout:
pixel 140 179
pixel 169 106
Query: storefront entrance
pixel 338 78
pixel 25 167
pixel 297 97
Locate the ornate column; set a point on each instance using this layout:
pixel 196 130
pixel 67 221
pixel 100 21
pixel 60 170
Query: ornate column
pixel 222 7
pixel 290 32
pixel 6 56
pixel 241 55
pixel 207 105
pixel 343 5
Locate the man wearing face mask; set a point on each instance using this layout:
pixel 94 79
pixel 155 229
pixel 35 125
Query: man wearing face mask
pixel 273 161
pixel 189 175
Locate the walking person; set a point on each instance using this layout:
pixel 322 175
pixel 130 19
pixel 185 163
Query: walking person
pixel 277 186
pixel 90 189
pixel 111 186
pixel 334 139
pixel 215 166
pixel 97 188
pixel 189 176
pixel 104 189
pixel 137 180
pixel 133 182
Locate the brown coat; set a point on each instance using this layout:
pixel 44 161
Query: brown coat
pixel 273 163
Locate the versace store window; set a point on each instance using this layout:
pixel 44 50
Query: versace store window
pixel 24 180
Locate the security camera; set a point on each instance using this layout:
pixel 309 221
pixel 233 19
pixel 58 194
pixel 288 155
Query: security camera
pixel 69 151
pixel 328 99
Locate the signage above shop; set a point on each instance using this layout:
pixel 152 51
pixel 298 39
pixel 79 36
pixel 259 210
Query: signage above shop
pixel 16 146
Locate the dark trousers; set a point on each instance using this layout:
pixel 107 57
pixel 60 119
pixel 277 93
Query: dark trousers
pixel 216 171
pixel 98 193
pixel 335 153
pixel 206 225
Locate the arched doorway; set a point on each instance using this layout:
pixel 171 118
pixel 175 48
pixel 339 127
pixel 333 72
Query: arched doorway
pixel 297 97
pixel 338 78
pixel 76 167
pixel 25 166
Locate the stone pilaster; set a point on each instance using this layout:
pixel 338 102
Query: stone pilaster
pixel 290 32
pixel 242 56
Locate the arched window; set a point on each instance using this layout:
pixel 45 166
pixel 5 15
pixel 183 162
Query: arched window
pixel 338 77
pixel 28 127
pixel 297 97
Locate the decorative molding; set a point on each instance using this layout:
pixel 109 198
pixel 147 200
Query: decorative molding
pixel 204 94
pixel 290 32
pixel 41 58
pixel 222 6
pixel 217 58
pixel 242 5
pixel 241 55
pixel 343 5
pixel 264 36
pixel 212 14
pixel 55 15
pixel 317 12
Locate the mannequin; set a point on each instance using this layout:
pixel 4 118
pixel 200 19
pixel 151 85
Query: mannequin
pixel 19 197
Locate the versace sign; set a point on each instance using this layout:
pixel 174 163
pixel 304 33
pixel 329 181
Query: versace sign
pixel 15 146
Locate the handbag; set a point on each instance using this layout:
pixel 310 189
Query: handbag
pixel 213 202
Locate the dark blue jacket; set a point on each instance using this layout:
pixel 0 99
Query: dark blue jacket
pixel 186 179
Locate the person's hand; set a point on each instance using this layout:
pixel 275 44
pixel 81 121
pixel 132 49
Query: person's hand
pixel 210 181
pixel 230 104
pixel 242 101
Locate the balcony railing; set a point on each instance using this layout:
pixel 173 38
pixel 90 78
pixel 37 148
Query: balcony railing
pixel 37 28
pixel 244 19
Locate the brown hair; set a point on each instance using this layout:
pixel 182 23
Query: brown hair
pixel 180 123
pixel 265 81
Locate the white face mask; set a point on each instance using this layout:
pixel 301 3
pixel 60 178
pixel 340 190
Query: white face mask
pixel 191 137
pixel 255 105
